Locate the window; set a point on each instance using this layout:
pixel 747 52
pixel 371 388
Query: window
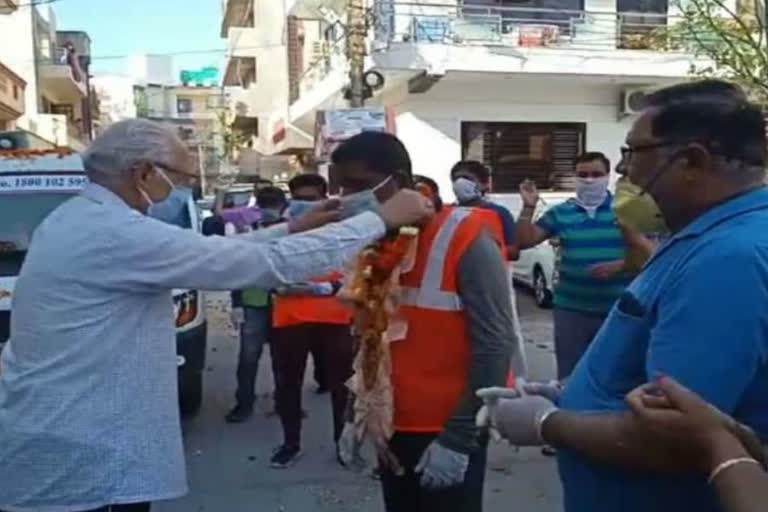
pixel 543 152
pixel 184 105
pixel 3 84
pixel 15 91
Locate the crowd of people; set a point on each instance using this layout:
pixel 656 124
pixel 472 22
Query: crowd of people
pixel 661 342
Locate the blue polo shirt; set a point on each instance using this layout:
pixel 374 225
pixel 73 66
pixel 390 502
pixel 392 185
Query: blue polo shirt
pixel 699 313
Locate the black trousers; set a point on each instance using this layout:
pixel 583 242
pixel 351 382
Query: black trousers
pixel 333 348
pixel 405 494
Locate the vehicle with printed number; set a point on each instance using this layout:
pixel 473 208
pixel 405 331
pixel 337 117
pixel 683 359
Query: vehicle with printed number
pixel 33 183
pixel 537 267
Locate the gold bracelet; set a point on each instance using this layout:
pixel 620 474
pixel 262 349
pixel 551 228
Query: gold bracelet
pixel 728 464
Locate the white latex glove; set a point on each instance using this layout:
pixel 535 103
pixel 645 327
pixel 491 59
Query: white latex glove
pixel 550 390
pixel 441 467
pixel 518 419
pixel 486 416
pixel 349 448
pixel 237 316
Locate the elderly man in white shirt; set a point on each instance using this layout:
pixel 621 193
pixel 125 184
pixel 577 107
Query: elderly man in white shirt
pixel 88 399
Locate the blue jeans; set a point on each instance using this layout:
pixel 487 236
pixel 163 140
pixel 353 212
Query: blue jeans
pixel 254 333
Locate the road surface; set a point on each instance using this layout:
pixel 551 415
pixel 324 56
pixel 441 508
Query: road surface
pixel 229 464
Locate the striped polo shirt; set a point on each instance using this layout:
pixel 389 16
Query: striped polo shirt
pixel 585 241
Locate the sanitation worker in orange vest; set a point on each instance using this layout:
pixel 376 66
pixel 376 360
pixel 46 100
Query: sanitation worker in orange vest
pixel 308 318
pixel 456 301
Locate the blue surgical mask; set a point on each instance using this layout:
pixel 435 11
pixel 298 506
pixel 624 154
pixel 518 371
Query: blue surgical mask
pixel 145 195
pixel 365 201
pixel 173 210
pixel 271 215
pixel 298 207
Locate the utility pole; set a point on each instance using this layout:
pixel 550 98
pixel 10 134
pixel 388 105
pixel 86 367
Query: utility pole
pixel 357 32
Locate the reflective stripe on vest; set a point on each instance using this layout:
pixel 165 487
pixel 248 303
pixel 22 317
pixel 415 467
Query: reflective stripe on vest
pixel 430 294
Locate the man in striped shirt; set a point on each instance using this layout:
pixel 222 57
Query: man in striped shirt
pixel 592 254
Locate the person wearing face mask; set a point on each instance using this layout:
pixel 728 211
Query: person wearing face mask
pixel 252 311
pixel 696 314
pixel 456 303
pixel 308 319
pixel 89 415
pixel 471 182
pixel 591 266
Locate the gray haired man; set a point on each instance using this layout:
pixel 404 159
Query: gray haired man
pixel 88 415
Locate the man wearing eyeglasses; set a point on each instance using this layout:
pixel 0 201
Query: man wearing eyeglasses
pixel 88 403
pixel 591 259
pixel 696 313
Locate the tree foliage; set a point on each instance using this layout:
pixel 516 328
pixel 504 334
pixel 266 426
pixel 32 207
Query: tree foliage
pixel 729 39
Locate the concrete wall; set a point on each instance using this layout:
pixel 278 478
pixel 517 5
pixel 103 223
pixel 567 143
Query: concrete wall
pixel 19 56
pixel 430 124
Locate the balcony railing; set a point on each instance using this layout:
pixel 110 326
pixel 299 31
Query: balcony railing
pixel 465 24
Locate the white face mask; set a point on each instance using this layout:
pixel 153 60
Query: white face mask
pixel 591 192
pixel 466 190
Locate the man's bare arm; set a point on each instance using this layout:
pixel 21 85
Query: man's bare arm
pixel 610 438
pixel 527 233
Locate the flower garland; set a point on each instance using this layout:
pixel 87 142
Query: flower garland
pixel 371 287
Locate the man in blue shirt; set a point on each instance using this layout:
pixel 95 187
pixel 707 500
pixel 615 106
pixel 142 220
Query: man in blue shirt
pixel 696 313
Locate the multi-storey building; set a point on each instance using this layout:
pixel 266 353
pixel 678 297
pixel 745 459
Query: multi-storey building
pixel 522 86
pixel 54 67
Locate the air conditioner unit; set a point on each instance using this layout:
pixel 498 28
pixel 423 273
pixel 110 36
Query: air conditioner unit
pixel 632 101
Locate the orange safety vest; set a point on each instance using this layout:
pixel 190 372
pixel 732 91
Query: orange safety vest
pixel 493 220
pixel 291 310
pixel 430 366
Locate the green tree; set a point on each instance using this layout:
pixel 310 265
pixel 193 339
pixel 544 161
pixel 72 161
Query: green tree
pixel 730 40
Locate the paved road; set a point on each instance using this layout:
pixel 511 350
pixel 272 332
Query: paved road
pixel 228 464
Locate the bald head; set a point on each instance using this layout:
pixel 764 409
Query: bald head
pixel 111 158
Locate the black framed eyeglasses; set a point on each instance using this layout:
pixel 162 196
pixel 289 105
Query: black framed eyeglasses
pixel 166 167
pixel 628 151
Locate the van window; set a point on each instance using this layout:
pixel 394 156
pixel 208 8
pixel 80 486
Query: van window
pixel 21 214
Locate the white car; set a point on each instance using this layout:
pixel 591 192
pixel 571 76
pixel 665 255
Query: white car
pixel 537 267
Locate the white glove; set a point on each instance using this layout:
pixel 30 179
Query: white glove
pixel 441 467
pixel 550 390
pixel 237 316
pixel 349 448
pixel 518 420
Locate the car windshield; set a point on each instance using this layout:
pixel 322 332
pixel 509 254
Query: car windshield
pixel 233 199
pixel 21 214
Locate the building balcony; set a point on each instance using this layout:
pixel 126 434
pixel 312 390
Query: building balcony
pixel 8 6
pixel 62 79
pixel 463 37
pixel 12 89
pixel 240 71
pixel 237 13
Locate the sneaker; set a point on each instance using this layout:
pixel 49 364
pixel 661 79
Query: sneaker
pixel 239 414
pixel 285 456
pixel 548 451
